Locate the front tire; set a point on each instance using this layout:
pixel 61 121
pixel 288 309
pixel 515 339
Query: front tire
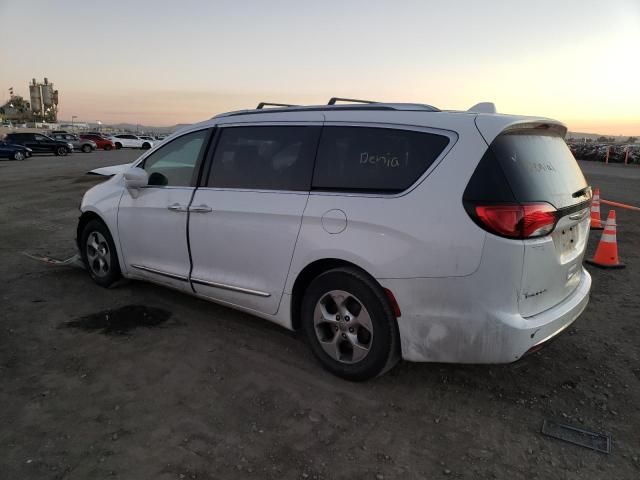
pixel 18 156
pixel 146 146
pixel 118 146
pixel 99 253
pixel 107 147
pixel 349 324
pixel 86 148
pixel 61 151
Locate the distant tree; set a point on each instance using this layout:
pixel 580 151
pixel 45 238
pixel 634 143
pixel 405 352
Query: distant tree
pixel 602 139
pixel 631 140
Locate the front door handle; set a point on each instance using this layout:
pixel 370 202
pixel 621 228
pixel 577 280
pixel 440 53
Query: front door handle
pixel 176 207
pixel 200 209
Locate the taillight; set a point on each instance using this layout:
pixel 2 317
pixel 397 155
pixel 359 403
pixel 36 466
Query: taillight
pixel 515 220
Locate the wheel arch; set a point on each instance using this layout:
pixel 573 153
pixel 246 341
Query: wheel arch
pixel 306 276
pixel 89 215
pixel 85 218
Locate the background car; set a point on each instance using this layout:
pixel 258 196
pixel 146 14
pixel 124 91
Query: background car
pixel 78 143
pixel 127 140
pixel 14 152
pixel 101 142
pixel 40 143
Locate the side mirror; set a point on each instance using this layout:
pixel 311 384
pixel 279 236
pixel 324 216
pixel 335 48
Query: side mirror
pixel 134 179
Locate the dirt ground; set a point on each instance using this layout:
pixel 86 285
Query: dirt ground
pixel 213 393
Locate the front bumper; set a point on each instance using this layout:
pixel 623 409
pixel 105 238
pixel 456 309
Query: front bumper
pixel 442 321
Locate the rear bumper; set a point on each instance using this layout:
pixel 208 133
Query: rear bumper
pixel 554 321
pixel 450 324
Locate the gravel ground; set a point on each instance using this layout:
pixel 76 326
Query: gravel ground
pixel 205 392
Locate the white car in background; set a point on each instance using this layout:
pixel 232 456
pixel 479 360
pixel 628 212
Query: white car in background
pixel 381 230
pixel 127 140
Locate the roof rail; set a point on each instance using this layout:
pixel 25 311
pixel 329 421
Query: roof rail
pixel 366 105
pixel 333 100
pixel 261 105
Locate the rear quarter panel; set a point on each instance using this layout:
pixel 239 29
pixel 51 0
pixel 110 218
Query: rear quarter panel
pixel 423 232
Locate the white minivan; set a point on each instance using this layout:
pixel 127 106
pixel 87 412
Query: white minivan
pixel 382 231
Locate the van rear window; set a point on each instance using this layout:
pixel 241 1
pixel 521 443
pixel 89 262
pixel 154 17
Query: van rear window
pixel 374 159
pixel 539 167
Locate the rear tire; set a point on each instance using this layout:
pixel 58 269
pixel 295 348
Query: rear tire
pixel 99 253
pixel 118 146
pixel 61 151
pixel 86 148
pixel 107 147
pixel 146 146
pixel 349 324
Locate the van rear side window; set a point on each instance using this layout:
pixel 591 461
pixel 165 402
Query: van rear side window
pixel 371 159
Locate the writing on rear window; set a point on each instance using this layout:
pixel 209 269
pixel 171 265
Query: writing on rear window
pixel 537 167
pixel 386 159
pixel 374 159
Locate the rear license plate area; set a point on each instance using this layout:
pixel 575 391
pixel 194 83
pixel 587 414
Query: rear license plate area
pixel 568 238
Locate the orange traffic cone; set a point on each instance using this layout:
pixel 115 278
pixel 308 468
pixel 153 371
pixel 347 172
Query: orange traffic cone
pixel 607 252
pixel 596 223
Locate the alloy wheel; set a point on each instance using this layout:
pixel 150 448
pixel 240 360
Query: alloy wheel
pixel 343 326
pixel 98 254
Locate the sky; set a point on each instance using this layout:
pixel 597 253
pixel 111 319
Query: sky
pixel 167 62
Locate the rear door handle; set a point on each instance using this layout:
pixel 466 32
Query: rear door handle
pixel 200 209
pixel 176 207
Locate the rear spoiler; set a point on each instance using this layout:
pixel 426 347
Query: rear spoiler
pixel 490 126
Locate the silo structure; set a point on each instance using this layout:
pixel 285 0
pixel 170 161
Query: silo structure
pixel 36 97
pixel 47 94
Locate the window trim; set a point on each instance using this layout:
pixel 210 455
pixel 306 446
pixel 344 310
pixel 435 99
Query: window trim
pixel 216 140
pixel 453 139
pixel 197 169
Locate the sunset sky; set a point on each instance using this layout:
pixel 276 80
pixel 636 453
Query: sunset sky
pixel 167 62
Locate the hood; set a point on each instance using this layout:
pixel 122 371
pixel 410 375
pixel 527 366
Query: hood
pixel 110 171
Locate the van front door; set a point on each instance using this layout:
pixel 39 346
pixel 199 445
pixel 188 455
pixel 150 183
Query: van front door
pixel 153 226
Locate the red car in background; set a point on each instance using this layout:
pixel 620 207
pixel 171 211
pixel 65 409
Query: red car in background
pixel 101 142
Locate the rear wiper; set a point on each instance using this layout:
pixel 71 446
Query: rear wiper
pixel 582 192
